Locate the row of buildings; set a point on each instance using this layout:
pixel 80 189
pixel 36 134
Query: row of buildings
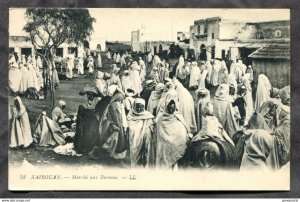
pixel 264 45
pixel 21 45
pixel 221 38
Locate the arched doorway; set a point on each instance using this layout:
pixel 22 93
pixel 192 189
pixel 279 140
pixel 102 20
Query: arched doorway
pixel 202 52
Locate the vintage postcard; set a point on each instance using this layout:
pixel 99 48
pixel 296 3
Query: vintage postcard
pixel 149 99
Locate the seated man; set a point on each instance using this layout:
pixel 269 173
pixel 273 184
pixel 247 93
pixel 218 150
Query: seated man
pixel 47 133
pixel 32 93
pixel 58 114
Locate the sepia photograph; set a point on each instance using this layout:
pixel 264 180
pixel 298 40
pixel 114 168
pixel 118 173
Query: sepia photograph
pixel 149 99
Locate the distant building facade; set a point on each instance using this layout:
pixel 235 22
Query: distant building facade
pixel 138 44
pixel 135 41
pixel 212 37
pixel 228 39
pixel 22 46
pixel 183 36
pixel 118 46
pixel 183 41
pixel 256 35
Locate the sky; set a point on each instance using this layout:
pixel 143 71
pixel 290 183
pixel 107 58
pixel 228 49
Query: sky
pixel 115 24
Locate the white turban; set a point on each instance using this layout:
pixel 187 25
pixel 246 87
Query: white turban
pixel 61 103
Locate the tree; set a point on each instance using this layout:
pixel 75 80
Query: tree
pixel 48 28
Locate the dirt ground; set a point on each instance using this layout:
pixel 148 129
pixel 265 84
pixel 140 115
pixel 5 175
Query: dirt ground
pixel 68 91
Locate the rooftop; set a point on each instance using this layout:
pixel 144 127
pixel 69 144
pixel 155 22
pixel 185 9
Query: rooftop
pixel 274 51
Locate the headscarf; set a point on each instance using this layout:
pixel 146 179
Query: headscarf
pixel 215 73
pixel 169 86
pixel 176 113
pixel 223 65
pixel 22 107
pixel 169 92
pixel 118 96
pixel 61 103
pixel 204 99
pixel 134 116
pixel 126 72
pixel 134 66
pixel 268 106
pixel 150 83
pixel 172 138
pixel 204 91
pixel 259 144
pixel 107 75
pixel 223 73
pixel 208 109
pixel 222 92
pixel 265 110
pixel 159 87
pixel 275 93
pixel 181 60
pixel 100 75
pixel 246 79
pixel 208 67
pixel 232 80
pixel 263 91
pixel 285 95
pixel 211 126
pixel 168 80
pixel 257 121
pixel 156 94
pixel 180 71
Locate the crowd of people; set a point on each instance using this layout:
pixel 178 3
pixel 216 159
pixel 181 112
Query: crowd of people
pixel 191 115
pixel 26 76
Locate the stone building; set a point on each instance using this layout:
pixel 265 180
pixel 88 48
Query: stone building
pixel 230 39
pixel 212 37
pixel 256 35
